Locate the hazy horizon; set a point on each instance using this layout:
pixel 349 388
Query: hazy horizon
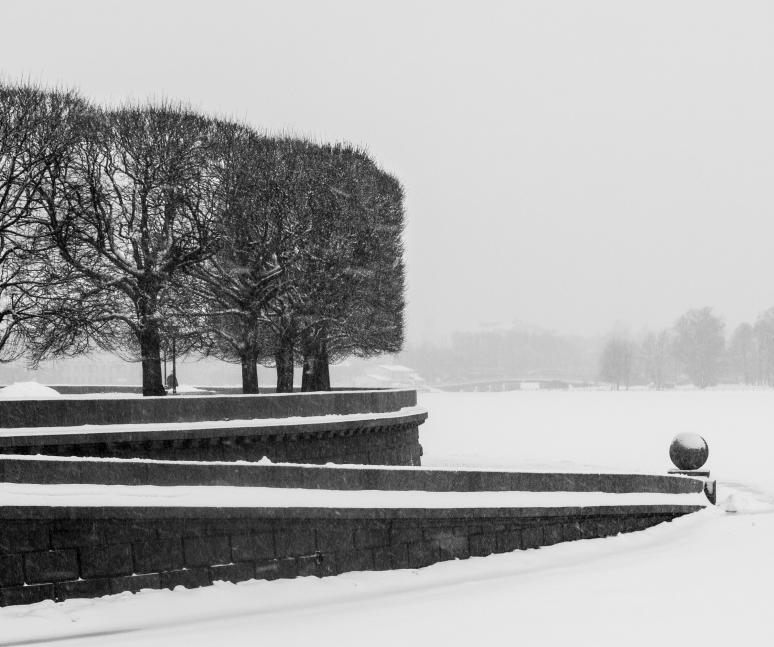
pixel 573 166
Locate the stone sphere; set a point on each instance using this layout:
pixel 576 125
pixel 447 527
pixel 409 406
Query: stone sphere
pixel 688 451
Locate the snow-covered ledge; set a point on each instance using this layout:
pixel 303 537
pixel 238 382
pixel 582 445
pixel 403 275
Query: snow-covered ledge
pixel 377 427
pixel 109 409
pixel 113 471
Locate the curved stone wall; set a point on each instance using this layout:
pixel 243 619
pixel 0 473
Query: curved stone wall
pixel 64 552
pixel 365 427
pixel 111 542
pixel 135 472
pixel 74 410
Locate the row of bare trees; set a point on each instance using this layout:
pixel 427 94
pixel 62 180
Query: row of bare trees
pixel 694 348
pixel 127 229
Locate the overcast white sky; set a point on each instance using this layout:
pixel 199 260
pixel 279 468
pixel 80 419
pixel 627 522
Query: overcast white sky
pixel 570 164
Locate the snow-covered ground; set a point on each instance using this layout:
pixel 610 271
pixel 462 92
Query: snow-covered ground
pixel 27 391
pixel 218 496
pixel 603 430
pixel 705 579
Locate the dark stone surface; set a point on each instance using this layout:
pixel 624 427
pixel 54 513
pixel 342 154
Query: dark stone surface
pixel 26 594
pixel 106 560
pixel 95 588
pixel 267 569
pixel 334 536
pixel 23 535
pixel 355 560
pixel 160 555
pixel 364 441
pixel 235 546
pixel 68 535
pixel 309 565
pixel 336 478
pixel 134 583
pixel 482 545
pixel 508 540
pixel 11 570
pixel 201 551
pixel 287 567
pixel 298 540
pixel 101 411
pixel 688 451
pixel 237 572
pixel 83 389
pixel 711 491
pixel 175 521
pixel 190 578
pixel 50 566
pixel 421 554
pixel 254 547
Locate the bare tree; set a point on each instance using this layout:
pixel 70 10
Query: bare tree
pixel 36 130
pixel 656 357
pixel 341 258
pixel 130 214
pixel 699 345
pixel 764 340
pixel 743 353
pixel 264 189
pixel 352 287
pixel 617 362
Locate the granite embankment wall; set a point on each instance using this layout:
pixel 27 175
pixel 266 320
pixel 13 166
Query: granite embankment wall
pixel 135 472
pixel 62 552
pixel 378 427
pixel 83 389
pixel 367 442
pixel 57 412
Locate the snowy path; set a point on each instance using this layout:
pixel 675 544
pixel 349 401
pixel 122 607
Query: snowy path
pixel 705 579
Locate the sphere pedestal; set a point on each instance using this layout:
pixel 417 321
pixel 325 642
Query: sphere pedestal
pixel 689 452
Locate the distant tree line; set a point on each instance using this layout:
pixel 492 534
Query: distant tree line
pixel 135 228
pixel 694 349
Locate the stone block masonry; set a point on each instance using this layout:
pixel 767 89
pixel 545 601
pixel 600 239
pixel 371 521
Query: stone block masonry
pixel 110 411
pixel 363 427
pixel 14 469
pixel 61 553
pixel 369 443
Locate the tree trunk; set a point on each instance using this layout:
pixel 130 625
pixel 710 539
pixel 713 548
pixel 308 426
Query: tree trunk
pixel 150 351
pixel 307 371
pixel 249 372
pixel 323 368
pixel 283 358
pixel 316 374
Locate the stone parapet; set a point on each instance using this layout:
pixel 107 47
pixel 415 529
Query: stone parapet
pixel 134 472
pixel 359 427
pixel 75 411
pixel 66 552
